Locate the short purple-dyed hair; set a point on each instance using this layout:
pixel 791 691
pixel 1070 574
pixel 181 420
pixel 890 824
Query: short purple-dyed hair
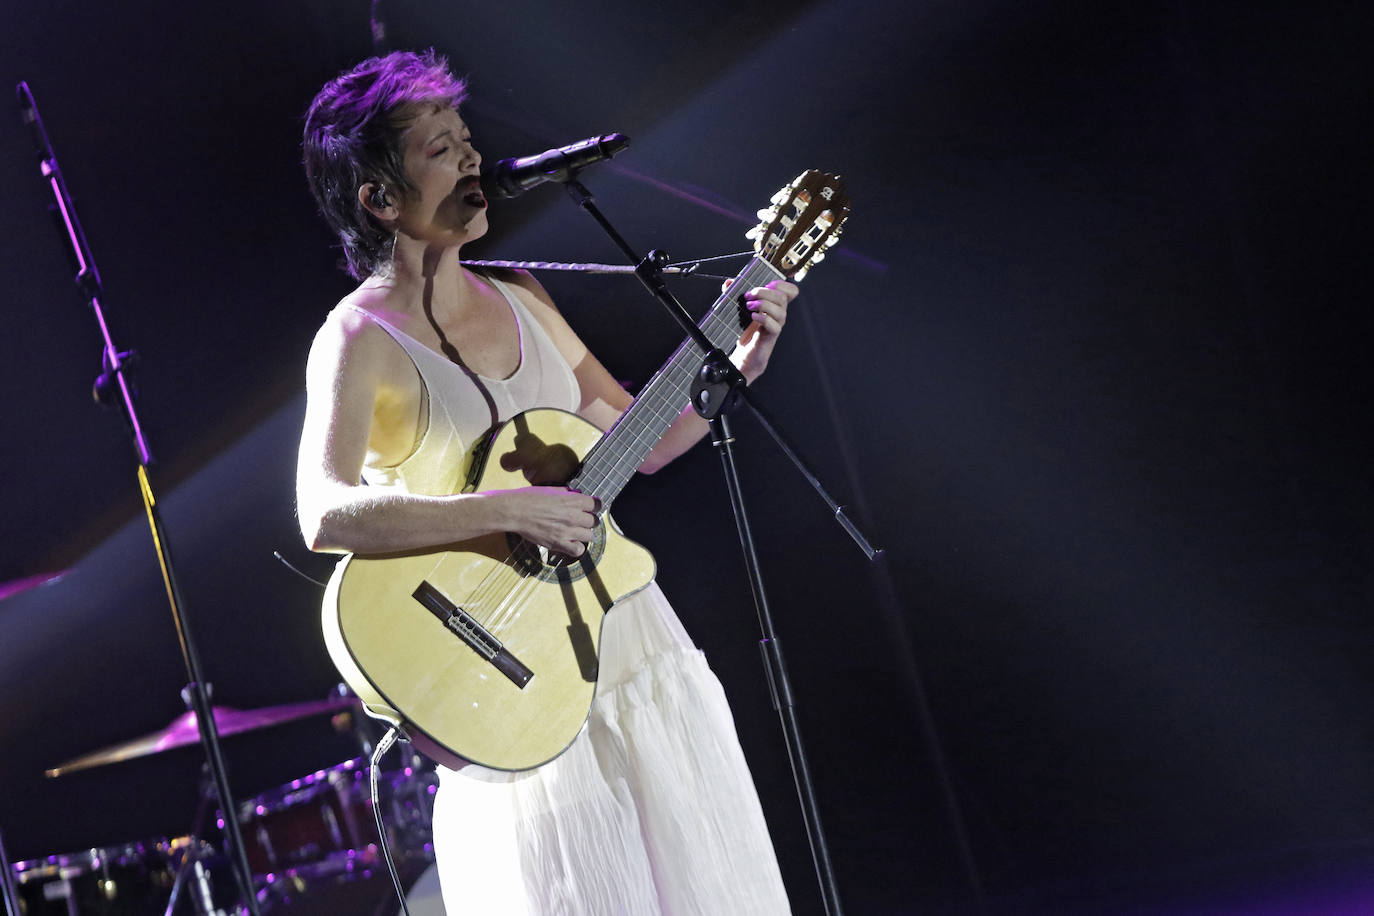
pixel 353 136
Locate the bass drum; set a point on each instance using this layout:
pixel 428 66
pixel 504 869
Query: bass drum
pixel 313 843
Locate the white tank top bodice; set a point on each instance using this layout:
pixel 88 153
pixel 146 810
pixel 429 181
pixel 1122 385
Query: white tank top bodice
pixel 463 405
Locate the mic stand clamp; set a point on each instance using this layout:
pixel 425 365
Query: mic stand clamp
pixel 718 386
pixel 105 388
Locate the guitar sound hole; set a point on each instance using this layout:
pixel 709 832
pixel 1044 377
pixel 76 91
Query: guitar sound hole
pixel 550 566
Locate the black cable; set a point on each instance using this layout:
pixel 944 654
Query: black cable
pixel 694 263
pixel 295 569
pixel 382 747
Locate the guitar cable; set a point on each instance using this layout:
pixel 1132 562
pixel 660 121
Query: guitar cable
pixel 382 747
pixel 297 570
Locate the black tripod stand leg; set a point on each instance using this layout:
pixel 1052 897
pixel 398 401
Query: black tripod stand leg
pixel 11 893
pixel 776 669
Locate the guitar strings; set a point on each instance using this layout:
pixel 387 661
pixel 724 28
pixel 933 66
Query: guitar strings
pixel 502 594
pixel 497 601
pixel 503 583
pixel 719 323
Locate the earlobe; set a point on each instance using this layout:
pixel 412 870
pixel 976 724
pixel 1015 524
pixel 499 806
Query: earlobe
pixel 377 201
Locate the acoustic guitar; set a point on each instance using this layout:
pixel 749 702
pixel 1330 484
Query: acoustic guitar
pixel 485 651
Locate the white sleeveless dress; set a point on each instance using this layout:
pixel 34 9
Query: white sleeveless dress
pixel 652 810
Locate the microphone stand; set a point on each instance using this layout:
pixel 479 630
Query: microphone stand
pixel 112 387
pixel 718 389
pixel 7 882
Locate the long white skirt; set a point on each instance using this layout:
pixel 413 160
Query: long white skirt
pixel 652 810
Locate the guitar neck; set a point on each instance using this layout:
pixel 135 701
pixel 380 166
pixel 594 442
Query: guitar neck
pixel 618 454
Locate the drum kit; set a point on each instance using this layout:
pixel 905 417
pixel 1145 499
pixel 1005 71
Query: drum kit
pixel 312 843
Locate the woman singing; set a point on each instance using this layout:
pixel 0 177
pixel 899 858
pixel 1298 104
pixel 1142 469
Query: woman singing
pixel 652 808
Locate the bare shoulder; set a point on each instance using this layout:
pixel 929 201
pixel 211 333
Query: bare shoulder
pixel 521 278
pixel 541 305
pixel 531 291
pixel 533 294
pixel 603 399
pixel 350 338
pixel 353 321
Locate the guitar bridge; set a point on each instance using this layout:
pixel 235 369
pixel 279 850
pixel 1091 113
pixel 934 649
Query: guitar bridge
pixel 466 627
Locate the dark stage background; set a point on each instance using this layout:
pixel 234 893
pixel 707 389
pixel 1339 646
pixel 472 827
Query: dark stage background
pixel 1090 364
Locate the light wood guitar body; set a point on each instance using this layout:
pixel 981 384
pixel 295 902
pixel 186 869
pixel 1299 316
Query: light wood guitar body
pixel 406 665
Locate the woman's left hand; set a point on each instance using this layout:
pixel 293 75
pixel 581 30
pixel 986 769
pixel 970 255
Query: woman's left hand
pixel 768 306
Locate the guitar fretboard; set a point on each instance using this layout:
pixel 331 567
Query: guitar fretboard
pixel 618 454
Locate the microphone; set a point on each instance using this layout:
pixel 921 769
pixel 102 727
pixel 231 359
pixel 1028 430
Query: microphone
pixel 512 177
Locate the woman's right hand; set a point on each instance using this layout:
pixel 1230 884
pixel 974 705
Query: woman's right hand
pixel 556 518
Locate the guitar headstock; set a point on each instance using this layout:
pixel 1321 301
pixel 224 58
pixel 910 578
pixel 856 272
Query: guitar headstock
pixel 802 221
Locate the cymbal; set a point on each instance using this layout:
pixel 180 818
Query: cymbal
pixel 184 730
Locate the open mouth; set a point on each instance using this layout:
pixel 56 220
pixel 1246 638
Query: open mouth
pixel 470 190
